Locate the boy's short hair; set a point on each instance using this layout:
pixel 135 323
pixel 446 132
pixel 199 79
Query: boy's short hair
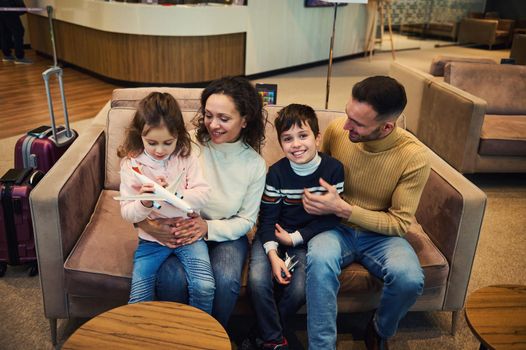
pixel 296 114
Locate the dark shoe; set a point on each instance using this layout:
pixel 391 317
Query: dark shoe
pixel 23 61
pixel 372 340
pixel 8 59
pixel 283 345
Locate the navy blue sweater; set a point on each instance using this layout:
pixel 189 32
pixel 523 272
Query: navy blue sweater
pixel 281 202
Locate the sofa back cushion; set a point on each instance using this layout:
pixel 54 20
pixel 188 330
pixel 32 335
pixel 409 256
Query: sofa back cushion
pixel 439 62
pixel 503 87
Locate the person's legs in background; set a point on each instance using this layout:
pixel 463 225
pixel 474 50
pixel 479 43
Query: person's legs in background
pixel 6 40
pixel 16 31
pixel 227 259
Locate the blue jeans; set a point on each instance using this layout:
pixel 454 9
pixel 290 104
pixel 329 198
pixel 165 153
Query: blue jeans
pixel 227 259
pixel 271 314
pixel 196 268
pixel 392 259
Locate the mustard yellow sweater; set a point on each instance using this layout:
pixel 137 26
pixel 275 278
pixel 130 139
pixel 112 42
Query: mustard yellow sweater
pixel 383 178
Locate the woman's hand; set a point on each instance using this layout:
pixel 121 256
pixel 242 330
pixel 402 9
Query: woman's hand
pixel 279 270
pixel 189 230
pixel 283 236
pixel 162 230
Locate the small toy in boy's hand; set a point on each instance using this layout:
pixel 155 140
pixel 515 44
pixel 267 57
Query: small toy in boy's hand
pixel 290 263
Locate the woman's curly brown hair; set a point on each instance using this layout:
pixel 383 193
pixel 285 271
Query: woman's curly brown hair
pixel 248 103
pixel 155 110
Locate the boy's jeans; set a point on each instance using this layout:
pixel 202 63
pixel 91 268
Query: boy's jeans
pixel 392 259
pixel 272 310
pixel 150 255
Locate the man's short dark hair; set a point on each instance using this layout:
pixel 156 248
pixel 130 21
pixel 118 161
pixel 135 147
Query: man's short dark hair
pixel 296 114
pixel 385 94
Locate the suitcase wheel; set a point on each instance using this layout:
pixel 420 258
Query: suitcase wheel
pixel 3 268
pixel 33 271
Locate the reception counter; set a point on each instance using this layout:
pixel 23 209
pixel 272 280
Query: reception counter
pixel 182 44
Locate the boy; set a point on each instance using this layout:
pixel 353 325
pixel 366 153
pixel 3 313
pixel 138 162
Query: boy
pixel 284 226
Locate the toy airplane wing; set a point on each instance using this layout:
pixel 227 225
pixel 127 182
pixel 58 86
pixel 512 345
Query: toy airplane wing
pixel 142 197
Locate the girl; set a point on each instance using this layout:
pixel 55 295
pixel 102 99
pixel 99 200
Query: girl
pixel 158 144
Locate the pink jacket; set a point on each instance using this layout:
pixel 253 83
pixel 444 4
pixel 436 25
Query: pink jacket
pixel 193 187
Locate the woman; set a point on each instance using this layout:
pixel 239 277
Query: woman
pixel 229 133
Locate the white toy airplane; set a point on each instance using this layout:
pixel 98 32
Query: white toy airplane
pixel 160 193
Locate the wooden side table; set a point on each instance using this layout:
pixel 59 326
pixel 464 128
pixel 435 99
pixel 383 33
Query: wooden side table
pixel 155 325
pixel 497 316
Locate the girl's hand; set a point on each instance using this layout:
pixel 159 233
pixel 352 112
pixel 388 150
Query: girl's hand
pixel 147 188
pixel 161 180
pixel 283 236
pixel 278 268
pixel 189 230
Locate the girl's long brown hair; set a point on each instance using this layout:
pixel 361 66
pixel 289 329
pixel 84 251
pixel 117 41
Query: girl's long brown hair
pixel 155 110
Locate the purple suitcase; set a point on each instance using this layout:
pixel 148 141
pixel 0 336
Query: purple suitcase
pixel 17 243
pixel 40 148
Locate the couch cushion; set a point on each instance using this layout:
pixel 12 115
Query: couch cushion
pixel 186 97
pixel 438 63
pixel 502 86
pixel 503 135
pixel 101 262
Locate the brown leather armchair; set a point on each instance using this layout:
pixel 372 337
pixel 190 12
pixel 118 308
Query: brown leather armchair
pixel 485 31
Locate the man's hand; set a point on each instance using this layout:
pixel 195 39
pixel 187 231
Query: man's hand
pixel 189 230
pixel 161 229
pixel 278 266
pixel 283 236
pixel 327 203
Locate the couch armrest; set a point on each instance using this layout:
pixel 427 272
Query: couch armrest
pixel 61 206
pixel 451 123
pixel 450 211
pixel 479 31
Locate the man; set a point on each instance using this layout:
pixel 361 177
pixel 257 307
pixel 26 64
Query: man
pixel 385 173
pixel 12 33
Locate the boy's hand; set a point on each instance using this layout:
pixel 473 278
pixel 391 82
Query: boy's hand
pixel 278 267
pixel 147 188
pixel 283 236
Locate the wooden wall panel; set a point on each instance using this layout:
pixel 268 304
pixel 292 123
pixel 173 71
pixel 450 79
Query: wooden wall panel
pixel 142 58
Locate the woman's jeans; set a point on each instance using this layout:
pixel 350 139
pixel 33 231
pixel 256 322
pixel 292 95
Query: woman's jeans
pixel 391 259
pixel 273 311
pixel 196 270
pixel 227 259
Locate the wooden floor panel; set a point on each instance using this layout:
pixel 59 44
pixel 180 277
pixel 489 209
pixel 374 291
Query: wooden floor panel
pixel 23 102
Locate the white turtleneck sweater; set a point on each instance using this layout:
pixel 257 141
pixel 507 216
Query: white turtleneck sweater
pixel 236 175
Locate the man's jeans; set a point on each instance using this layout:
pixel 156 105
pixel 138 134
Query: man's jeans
pixel 196 268
pixel 269 313
pixel 227 259
pixel 392 259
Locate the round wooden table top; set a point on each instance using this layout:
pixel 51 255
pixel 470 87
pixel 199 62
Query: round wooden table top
pixel 150 325
pixel 497 316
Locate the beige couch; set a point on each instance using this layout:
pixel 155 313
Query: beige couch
pixel 475 119
pixel 85 248
pixel 485 31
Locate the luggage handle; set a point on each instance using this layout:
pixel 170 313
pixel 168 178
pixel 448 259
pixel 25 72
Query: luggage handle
pixel 64 136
